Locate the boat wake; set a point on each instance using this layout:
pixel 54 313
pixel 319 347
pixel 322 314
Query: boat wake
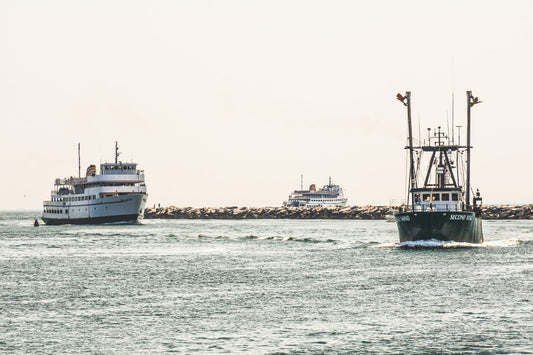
pixel 440 244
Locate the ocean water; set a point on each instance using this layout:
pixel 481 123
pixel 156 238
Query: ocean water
pixel 261 287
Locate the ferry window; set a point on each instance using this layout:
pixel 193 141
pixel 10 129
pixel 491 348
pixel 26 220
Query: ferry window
pixel 425 197
pixel 445 197
pixel 436 197
pixel 455 197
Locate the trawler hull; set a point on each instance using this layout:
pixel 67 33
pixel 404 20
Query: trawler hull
pixel 464 226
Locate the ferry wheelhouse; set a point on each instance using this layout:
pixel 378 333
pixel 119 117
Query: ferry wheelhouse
pixel 328 195
pixel 439 204
pixel 117 194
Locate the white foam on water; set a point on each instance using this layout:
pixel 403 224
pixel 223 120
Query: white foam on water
pixel 428 243
pixel 434 243
pixel 504 243
pixel 385 245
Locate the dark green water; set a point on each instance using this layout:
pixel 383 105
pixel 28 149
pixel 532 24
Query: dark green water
pixel 267 286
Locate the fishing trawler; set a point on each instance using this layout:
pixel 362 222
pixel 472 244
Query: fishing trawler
pixel 117 194
pixel 329 195
pixel 440 206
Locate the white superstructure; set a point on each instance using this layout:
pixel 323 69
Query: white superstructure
pixel 117 194
pixel 329 195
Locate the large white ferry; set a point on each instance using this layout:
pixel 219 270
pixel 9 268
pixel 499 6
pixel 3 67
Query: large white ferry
pixel 117 194
pixel 329 195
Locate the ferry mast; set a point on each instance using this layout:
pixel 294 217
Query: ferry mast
pixel 116 152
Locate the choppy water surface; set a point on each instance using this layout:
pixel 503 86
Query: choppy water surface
pixel 267 286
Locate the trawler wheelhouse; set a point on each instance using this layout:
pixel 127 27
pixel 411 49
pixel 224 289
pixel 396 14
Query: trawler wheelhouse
pixel 442 189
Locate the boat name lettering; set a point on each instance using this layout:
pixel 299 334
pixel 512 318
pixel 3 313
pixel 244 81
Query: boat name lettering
pixel 403 218
pixel 461 217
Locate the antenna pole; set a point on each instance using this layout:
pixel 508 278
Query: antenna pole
pixel 419 134
pixel 79 161
pixel 453 118
pixel 302 182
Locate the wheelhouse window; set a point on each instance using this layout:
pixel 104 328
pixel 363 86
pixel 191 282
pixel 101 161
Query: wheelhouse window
pixel 455 197
pixel 445 197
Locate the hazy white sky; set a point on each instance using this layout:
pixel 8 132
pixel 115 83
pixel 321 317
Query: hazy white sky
pixel 227 102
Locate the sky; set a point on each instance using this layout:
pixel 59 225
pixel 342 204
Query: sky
pixel 227 103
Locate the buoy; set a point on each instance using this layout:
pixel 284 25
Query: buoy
pixel 36 223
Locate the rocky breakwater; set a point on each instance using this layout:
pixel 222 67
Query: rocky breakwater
pixel 508 212
pixel 355 212
pixel 172 212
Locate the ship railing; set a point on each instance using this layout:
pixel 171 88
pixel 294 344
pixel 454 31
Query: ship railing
pixel 441 207
pixel 76 180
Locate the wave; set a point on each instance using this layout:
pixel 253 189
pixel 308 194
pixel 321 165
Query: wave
pixel 274 237
pixel 122 223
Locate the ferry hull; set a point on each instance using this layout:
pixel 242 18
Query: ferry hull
pixel 92 220
pixel 126 208
pixel 462 226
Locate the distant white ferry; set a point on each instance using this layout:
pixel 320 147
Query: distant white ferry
pixel 329 195
pixel 118 194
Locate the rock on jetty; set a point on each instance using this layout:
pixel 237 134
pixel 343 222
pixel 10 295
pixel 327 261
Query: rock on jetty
pixel 354 212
